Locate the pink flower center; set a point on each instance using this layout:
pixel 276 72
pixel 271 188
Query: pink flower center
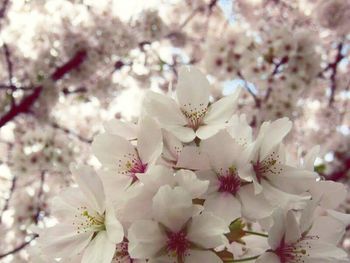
pixel 266 167
pixel 132 165
pixel 229 181
pixel 177 243
pixel 296 252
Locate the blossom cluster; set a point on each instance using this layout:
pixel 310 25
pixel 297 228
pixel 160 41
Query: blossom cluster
pixel 191 182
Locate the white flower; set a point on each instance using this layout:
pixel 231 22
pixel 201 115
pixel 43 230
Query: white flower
pixel 139 206
pixel 177 155
pixel 300 242
pixel 269 171
pixel 177 233
pixel 193 115
pixel 120 157
pixel 87 222
pixel 226 156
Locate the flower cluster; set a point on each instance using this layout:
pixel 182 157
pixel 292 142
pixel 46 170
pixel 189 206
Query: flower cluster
pixel 190 182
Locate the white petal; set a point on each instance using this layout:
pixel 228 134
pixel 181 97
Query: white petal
pixel 331 194
pixel 212 177
pixel 192 158
pixel 282 199
pixel 222 150
pixel 307 215
pixel 240 130
pixel 110 149
pixel 268 257
pixel 273 134
pixel 114 185
pixel 223 205
pixel 344 218
pixel 145 239
pixel 172 146
pixel 292 231
pixel 157 176
pixel 99 250
pixel 184 134
pixel 328 229
pixel 278 229
pixel 192 89
pixel 319 251
pixel 149 140
pixel 222 110
pixel 253 206
pixel 164 109
pixel 189 181
pixel 123 129
pixel 138 207
pixel 208 130
pixel 63 241
pixel 292 180
pixel 66 203
pixel 91 186
pixel 201 256
pixel 207 230
pixel 115 231
pixel 172 207
pixel 310 157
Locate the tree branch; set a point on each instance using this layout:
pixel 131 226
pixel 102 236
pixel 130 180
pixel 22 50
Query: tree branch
pixel 25 104
pixel 7 201
pixel 334 67
pixel 20 247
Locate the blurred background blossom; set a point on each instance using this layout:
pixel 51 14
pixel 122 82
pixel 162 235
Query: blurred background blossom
pixel 68 66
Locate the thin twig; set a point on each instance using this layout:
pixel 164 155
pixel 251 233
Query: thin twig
pixel 7 201
pixel 69 132
pixel 20 247
pixel 334 68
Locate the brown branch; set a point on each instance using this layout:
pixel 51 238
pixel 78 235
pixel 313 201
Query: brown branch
pixel 246 86
pixel 7 201
pixel 22 107
pixel 3 8
pixel 69 132
pixel 8 63
pixel 334 67
pixel 40 197
pixel 73 63
pixel 26 103
pixel 20 247
pixel 275 71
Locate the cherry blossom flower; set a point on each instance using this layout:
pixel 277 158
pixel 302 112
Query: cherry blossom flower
pixel 88 224
pixel 191 116
pixel 226 157
pixel 140 203
pixel 177 233
pixel 292 241
pixel 120 157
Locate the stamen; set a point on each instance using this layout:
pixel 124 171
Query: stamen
pixel 296 252
pixel 85 221
pixel 194 116
pixel 229 181
pixel 268 166
pixel 132 165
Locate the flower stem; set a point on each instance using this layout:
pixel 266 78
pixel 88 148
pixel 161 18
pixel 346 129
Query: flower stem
pixel 256 233
pixel 241 259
